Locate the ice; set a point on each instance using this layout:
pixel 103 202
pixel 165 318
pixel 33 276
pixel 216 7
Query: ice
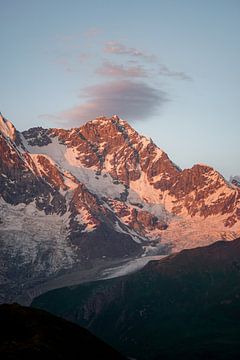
pixel 26 232
pixel 129 267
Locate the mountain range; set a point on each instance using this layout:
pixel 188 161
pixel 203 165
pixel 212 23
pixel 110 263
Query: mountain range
pixel 99 192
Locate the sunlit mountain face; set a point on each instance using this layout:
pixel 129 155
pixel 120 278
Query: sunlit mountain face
pixel 100 193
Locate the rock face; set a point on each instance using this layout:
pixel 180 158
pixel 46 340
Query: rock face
pixel 185 306
pixel 235 180
pixel 69 197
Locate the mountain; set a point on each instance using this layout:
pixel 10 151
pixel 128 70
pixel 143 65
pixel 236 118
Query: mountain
pixel 34 334
pixel 71 198
pixel 186 306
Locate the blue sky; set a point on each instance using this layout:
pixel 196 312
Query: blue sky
pixel 170 68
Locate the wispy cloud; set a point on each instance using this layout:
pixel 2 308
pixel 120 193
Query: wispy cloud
pixel 114 47
pixel 117 48
pixel 115 70
pixel 129 99
pixel 180 75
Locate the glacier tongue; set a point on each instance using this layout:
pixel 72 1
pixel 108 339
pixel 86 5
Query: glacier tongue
pixel 129 267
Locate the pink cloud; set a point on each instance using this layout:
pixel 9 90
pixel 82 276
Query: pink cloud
pixel 114 70
pixel 117 48
pixel 180 75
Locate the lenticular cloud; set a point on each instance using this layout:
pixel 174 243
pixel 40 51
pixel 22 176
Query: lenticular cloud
pixel 128 99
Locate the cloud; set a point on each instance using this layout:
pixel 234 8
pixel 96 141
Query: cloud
pixel 114 70
pixel 180 75
pixel 114 47
pixel 129 99
pixel 117 48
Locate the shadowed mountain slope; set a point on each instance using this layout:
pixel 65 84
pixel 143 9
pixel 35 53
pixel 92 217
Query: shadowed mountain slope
pixel 34 334
pixel 186 306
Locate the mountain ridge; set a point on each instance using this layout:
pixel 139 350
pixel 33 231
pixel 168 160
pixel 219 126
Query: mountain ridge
pixel 185 306
pixel 30 333
pixel 68 197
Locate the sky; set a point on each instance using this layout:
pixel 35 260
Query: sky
pixel 170 68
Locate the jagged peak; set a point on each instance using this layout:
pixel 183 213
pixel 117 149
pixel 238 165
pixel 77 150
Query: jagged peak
pixel 104 120
pixel 203 166
pixel 108 125
pixel 98 124
pixel 210 172
pixel 7 128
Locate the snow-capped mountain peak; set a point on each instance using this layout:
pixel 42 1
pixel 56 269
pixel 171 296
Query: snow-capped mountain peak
pixel 102 190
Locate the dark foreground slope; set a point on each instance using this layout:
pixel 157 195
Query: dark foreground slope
pixel 34 334
pixel 186 306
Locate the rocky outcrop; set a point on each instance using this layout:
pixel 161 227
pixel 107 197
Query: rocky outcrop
pixel 235 180
pixel 20 183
